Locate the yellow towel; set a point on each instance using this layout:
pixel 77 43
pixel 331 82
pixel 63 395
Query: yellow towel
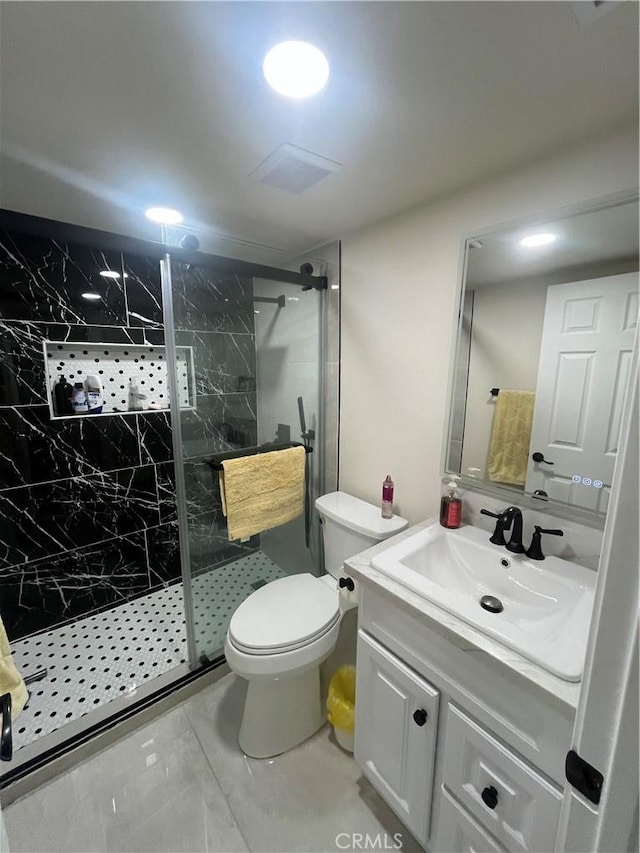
pixel 10 679
pixel 262 491
pixel 510 437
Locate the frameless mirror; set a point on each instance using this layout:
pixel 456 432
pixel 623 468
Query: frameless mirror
pixel 548 316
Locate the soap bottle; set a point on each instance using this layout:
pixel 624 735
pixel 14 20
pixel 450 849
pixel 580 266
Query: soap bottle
pixel 62 391
pixel 451 506
pixel 79 399
pixel 387 497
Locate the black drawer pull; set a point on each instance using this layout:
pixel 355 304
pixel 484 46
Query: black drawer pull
pixel 420 717
pixel 490 797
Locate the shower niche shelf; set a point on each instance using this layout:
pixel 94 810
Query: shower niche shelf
pixel 115 365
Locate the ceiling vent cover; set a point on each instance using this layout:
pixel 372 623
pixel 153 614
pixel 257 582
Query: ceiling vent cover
pixel 293 169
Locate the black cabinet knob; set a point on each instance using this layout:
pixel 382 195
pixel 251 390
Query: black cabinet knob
pixel 490 797
pixel 539 457
pixel 420 717
pixel 348 583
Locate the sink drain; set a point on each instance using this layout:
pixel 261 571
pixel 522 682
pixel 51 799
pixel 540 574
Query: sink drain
pixel 491 603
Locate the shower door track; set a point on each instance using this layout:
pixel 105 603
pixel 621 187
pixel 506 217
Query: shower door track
pixel 93 731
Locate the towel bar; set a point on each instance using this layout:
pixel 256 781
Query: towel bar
pixel 218 458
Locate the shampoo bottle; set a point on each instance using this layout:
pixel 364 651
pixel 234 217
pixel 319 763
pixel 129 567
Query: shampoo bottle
pixel 93 387
pixel 387 497
pixel 451 507
pixel 79 399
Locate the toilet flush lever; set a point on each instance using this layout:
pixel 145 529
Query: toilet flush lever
pixel 348 583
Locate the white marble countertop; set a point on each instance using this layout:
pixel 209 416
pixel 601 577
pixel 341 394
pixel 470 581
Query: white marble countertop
pixel 360 568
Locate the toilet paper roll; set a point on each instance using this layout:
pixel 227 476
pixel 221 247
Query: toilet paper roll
pixel 348 598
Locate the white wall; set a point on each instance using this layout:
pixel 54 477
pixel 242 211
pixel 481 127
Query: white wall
pixel 399 286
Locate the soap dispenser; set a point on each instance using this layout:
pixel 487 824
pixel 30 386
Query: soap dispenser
pixel 451 506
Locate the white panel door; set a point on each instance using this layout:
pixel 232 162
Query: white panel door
pixel 585 361
pixel 395 733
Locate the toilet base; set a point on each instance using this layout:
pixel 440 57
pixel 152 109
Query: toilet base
pixel 280 713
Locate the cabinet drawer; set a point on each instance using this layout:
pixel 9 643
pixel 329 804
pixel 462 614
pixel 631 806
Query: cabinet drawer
pixel 395 734
pixel 522 810
pixel 458 832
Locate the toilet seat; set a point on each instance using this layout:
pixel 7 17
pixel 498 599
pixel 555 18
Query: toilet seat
pixel 284 615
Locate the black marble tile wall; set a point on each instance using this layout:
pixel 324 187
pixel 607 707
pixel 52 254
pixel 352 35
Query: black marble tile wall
pixel 88 514
pixel 72 584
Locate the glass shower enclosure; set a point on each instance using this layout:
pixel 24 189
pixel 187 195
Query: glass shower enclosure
pixel 197 355
pixel 252 344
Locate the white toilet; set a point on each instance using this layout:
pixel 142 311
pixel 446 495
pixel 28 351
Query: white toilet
pixel 282 632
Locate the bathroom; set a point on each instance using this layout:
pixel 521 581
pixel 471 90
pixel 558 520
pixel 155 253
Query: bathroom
pixel 396 273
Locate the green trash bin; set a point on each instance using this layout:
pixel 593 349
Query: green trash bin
pixel 341 705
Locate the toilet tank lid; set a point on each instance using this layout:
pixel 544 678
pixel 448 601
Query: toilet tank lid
pixel 358 515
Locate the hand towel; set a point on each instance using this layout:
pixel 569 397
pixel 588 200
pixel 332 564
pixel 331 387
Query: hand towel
pixel 510 437
pixel 10 679
pixel 262 491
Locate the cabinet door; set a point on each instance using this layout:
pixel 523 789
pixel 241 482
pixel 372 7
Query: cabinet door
pixel 395 733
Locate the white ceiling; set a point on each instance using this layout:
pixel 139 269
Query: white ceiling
pixel 108 107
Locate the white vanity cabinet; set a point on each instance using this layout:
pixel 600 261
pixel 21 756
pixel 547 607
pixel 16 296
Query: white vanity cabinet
pixel 469 755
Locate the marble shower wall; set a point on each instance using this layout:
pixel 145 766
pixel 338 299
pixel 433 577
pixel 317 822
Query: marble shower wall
pixel 87 506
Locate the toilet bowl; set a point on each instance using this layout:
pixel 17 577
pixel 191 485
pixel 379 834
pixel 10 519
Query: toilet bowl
pixel 281 633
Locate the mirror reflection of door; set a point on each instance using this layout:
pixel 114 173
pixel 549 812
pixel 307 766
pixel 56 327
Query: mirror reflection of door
pixel 585 359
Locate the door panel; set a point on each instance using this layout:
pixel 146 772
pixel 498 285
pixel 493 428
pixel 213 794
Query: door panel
pixel 583 374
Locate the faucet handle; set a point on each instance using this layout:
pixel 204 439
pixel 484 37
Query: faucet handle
pixel 498 534
pixel 492 514
pixel 534 551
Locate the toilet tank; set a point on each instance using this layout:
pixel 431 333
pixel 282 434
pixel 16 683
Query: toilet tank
pixel 349 526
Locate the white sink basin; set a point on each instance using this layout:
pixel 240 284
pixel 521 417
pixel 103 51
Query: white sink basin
pixel 547 604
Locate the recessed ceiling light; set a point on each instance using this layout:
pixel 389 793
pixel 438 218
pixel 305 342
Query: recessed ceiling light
pixel 296 69
pixel 111 274
pixel 537 239
pixel 91 296
pixel 164 215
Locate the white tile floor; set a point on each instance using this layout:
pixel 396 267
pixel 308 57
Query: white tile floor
pixel 180 783
pixel 101 657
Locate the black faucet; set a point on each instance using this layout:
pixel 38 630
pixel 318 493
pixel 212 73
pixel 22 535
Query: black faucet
pixel 508 519
pixel 534 552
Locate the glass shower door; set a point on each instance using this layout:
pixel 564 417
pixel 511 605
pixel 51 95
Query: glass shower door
pixel 255 347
